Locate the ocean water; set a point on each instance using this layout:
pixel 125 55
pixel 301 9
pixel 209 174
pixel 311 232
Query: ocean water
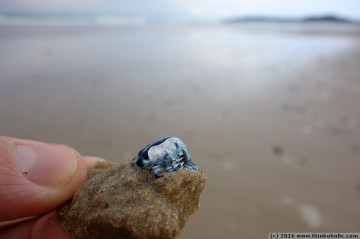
pixel 69 20
pixel 268 110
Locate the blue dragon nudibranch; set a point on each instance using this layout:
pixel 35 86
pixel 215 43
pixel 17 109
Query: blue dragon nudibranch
pixel 168 153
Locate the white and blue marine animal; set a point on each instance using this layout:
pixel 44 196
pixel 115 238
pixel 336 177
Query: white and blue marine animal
pixel 168 153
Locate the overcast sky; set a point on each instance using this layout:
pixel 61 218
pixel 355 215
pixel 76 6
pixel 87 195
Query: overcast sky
pixel 195 8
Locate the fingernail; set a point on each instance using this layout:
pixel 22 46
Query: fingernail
pixel 45 165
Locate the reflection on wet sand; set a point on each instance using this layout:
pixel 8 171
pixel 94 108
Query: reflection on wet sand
pixel 270 112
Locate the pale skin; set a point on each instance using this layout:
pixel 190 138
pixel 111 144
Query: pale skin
pixel 36 178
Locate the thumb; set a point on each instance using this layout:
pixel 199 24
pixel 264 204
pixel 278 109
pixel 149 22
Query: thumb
pixel 36 177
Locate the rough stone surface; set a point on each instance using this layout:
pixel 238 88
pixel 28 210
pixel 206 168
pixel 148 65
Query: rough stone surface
pixel 126 201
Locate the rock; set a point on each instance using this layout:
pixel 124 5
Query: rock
pixel 126 201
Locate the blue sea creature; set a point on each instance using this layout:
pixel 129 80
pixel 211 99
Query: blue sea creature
pixel 168 153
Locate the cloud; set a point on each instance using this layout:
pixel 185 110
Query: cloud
pixel 139 7
pixel 51 5
pixel 196 8
pixel 223 8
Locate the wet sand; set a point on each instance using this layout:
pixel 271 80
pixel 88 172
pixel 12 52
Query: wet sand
pixel 269 111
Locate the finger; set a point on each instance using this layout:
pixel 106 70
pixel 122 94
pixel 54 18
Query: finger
pixel 36 177
pixel 95 162
pixel 47 226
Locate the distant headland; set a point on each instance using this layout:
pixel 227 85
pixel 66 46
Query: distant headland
pixel 320 18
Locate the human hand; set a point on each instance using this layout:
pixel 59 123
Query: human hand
pixel 35 178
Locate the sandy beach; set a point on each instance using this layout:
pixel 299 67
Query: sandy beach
pixel 270 111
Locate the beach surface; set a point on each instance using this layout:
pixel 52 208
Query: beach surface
pixel 270 111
